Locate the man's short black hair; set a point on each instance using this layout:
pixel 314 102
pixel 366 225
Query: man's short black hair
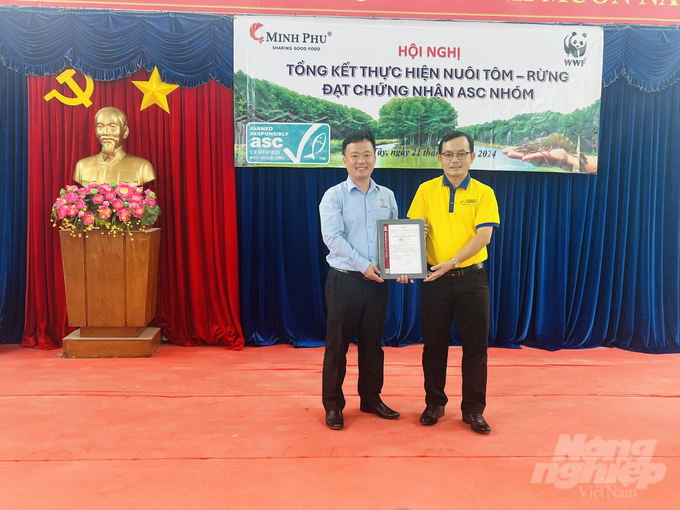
pixel 358 136
pixel 456 134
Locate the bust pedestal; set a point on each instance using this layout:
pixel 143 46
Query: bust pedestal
pixel 111 289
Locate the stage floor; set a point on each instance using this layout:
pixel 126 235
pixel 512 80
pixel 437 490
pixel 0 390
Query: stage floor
pixel 207 428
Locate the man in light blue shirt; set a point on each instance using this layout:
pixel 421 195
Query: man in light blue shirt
pixel 356 296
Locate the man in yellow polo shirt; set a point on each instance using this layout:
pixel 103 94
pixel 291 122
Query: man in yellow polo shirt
pixel 461 214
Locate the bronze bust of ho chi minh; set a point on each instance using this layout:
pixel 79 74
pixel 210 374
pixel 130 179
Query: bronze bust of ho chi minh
pixel 112 164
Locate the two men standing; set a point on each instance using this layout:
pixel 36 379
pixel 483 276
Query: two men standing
pixel 461 214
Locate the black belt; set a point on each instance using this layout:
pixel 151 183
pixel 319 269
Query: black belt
pixel 459 272
pixel 356 274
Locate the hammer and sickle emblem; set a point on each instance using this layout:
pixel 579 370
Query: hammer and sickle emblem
pixel 82 96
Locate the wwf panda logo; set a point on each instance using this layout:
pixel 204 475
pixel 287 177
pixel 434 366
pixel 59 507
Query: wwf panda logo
pixel 575 45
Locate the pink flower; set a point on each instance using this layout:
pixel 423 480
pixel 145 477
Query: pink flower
pixel 124 214
pixel 127 201
pixel 105 213
pixel 138 210
pixel 123 189
pixel 88 218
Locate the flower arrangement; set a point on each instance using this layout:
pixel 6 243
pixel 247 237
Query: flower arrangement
pixel 112 208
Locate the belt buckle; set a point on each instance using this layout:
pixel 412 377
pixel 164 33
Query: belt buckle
pixel 455 273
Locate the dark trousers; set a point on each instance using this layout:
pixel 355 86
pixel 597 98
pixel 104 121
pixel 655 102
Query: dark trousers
pixel 467 298
pixel 358 306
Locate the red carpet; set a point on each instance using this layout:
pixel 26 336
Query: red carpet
pixel 208 428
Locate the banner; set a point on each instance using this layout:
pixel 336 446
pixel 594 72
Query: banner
pixel 528 94
pixel 649 12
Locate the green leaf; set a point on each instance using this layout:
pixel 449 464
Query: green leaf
pixel 150 215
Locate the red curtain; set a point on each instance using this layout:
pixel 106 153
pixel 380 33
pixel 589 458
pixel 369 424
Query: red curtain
pixel 191 149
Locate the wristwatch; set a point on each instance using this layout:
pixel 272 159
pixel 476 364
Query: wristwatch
pixel 455 262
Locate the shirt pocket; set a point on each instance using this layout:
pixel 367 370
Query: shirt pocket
pixel 381 209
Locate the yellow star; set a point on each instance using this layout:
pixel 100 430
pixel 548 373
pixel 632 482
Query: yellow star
pixel 155 91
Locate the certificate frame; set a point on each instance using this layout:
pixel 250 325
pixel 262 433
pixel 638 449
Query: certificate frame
pixel 417 269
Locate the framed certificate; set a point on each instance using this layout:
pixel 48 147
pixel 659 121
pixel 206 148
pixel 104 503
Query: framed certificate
pixel 401 247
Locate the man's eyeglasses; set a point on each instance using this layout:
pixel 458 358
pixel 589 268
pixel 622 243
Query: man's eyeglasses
pixel 448 156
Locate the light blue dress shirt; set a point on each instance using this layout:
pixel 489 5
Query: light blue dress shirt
pixel 349 223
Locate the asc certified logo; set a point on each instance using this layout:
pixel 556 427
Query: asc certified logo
pixel 276 143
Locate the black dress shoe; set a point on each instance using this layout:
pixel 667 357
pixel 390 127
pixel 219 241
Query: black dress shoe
pixel 477 422
pixel 380 409
pixel 431 415
pixel 334 420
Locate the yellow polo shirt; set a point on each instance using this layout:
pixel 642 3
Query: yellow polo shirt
pixel 454 215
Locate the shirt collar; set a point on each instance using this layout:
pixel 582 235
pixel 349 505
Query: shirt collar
pixel 464 184
pixel 349 183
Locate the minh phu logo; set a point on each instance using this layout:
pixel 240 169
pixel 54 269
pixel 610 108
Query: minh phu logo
pixel 601 468
pixel 279 37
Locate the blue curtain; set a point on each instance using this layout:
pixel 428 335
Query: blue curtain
pixel 283 259
pixel 579 261
pixel 188 48
pixel 647 57
pixel 13 193
pixel 641 219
